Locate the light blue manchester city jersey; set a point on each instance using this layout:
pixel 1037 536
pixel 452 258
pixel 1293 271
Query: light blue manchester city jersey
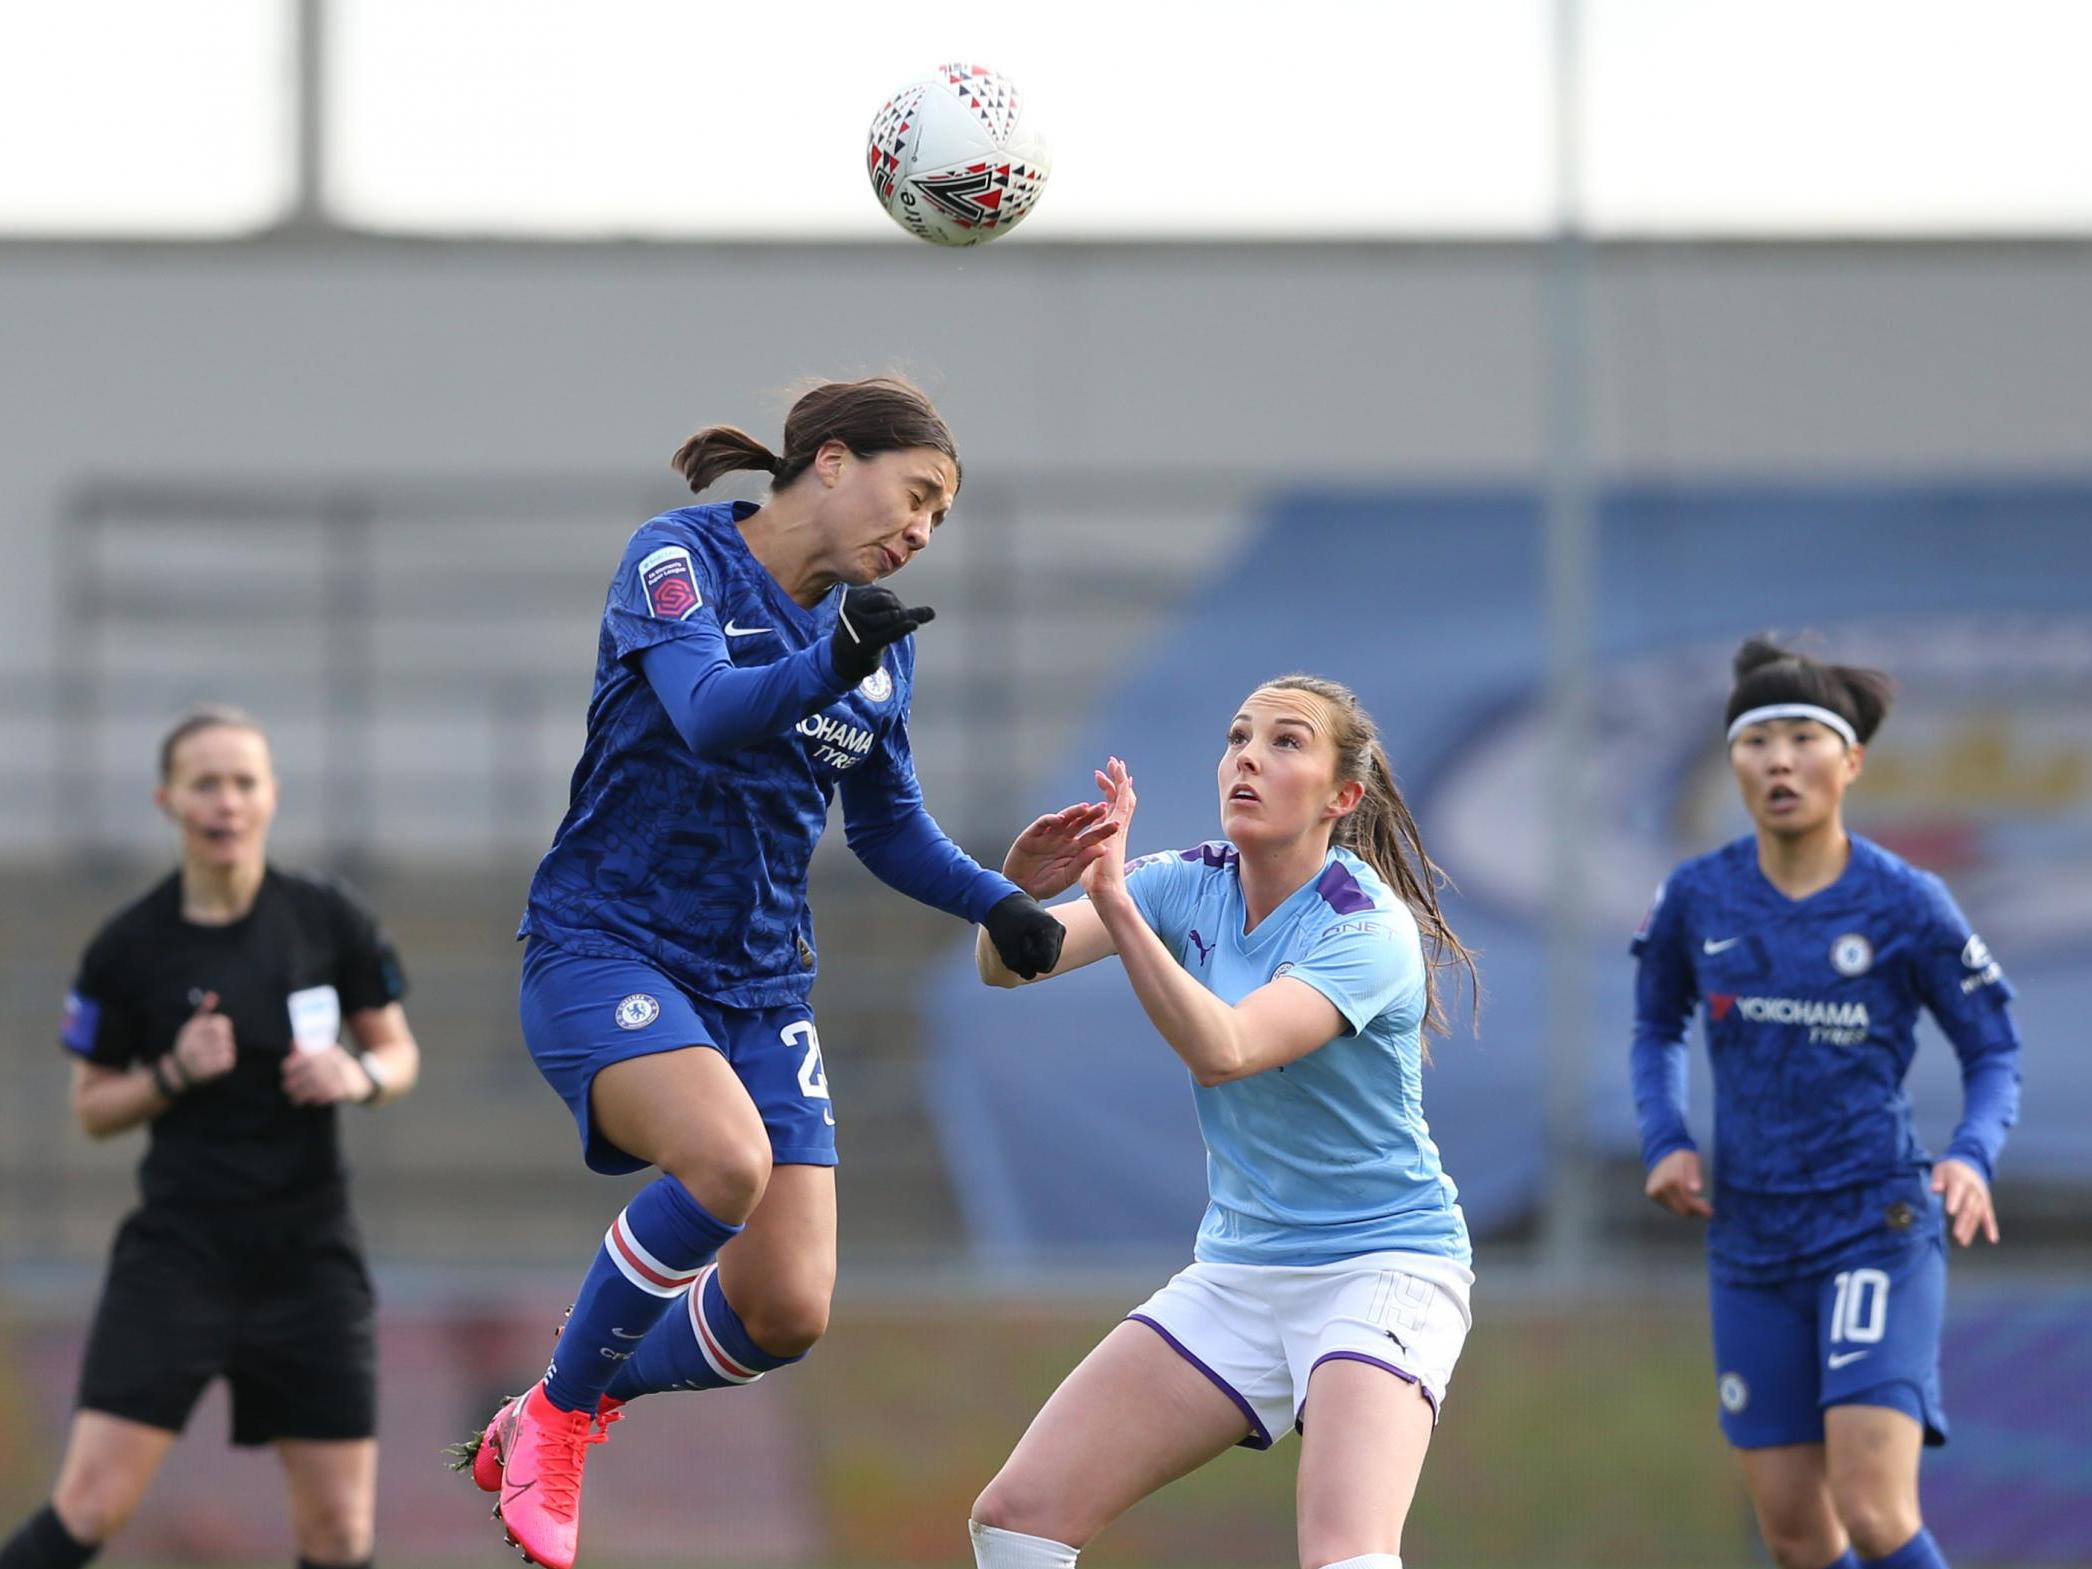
pixel 1329 1156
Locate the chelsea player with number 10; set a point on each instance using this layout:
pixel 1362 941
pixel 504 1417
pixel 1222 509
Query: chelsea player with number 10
pixel 1812 951
pixel 747 672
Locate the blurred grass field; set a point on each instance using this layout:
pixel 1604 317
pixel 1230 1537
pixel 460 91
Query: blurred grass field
pixel 1572 1436
pixel 1579 1437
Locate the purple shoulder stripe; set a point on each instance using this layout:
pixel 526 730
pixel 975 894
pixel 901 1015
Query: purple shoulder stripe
pixel 1340 890
pixel 1216 853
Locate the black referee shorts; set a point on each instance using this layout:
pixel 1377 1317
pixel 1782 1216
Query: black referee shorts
pixel 281 1307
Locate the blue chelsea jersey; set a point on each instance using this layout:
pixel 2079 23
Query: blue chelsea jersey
pixel 1328 1157
pixel 1810 1011
pixel 698 865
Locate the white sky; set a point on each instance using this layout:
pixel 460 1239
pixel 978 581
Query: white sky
pixel 694 118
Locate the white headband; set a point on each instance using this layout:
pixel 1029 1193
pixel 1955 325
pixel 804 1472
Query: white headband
pixel 1822 716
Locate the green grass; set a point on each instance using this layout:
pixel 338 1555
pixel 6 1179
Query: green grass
pixel 1572 1438
pixel 1569 1440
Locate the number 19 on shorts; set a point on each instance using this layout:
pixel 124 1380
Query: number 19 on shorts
pixel 813 1076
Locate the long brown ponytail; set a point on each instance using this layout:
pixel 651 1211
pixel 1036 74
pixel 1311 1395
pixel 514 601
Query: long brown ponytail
pixel 881 414
pixel 1381 831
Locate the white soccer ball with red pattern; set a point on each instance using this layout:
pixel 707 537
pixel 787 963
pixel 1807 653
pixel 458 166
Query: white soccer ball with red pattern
pixel 952 159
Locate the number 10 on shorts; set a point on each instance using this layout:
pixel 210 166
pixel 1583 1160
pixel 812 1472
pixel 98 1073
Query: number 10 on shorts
pixel 1860 1308
pixel 813 1076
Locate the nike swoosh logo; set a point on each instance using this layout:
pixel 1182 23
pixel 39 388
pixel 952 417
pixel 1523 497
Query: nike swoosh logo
pixel 1840 1358
pixel 623 1336
pixel 1709 945
pixel 734 631
pixel 519 1490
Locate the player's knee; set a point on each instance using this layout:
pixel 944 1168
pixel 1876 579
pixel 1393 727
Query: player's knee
pixel 787 1323
pixel 1799 1548
pixel 335 1533
pixel 95 1502
pixel 1008 1505
pixel 726 1176
pixel 1877 1525
pixel 999 1507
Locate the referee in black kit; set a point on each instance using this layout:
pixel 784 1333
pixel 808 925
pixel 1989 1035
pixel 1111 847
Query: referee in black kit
pixel 212 1011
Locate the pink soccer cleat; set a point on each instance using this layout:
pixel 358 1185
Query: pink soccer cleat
pixel 537 1454
pixel 482 1454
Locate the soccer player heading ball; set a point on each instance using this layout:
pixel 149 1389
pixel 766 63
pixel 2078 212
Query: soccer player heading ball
pixel 748 671
pixel 1329 1290
pixel 1812 951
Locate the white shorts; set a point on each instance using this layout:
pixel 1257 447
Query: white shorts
pixel 1259 1330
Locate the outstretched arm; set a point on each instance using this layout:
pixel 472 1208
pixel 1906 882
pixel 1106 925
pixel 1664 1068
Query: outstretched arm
pixel 890 830
pixel 1277 1023
pixel 893 834
pixel 1047 859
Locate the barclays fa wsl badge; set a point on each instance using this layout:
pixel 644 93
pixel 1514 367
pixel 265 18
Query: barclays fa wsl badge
pixel 637 1011
pixel 1852 954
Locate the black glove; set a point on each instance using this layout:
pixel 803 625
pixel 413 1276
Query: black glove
pixel 1027 937
pixel 871 618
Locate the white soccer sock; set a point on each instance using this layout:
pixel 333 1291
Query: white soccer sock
pixel 1368 1561
pixel 995 1548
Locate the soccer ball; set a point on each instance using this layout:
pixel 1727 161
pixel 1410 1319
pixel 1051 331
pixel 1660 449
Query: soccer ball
pixel 951 158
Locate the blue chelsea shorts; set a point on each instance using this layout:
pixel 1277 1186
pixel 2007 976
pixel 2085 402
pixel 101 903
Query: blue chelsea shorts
pixel 580 1014
pixel 1864 1333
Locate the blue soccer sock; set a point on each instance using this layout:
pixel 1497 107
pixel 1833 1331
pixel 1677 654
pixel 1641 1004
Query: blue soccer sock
pixel 652 1252
pixel 1920 1552
pixel 704 1346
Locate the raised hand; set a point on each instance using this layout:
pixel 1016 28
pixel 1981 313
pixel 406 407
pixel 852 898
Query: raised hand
pixel 1675 1183
pixel 1107 873
pixel 1968 1202
pixel 203 1048
pixel 1050 855
pixel 871 618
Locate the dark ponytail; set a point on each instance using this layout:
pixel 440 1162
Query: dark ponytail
pixel 1767 673
pixel 880 414
pixel 719 450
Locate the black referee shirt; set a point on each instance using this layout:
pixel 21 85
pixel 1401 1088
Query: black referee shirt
pixel 236 1141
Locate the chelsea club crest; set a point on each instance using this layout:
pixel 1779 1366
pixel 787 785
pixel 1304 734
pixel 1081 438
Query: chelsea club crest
pixel 1852 955
pixel 876 687
pixel 637 1011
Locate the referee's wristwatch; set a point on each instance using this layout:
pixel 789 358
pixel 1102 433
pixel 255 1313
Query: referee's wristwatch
pixel 368 1062
pixel 171 1088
